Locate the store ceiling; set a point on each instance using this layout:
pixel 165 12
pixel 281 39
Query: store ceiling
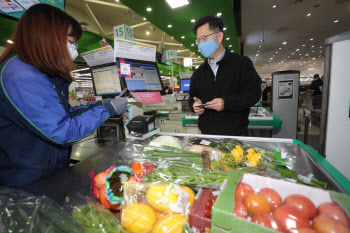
pixel 102 15
pixel 289 22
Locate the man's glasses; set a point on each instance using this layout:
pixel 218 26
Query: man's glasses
pixel 204 38
pixel 75 44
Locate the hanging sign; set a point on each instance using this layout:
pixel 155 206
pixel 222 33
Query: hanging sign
pixel 171 55
pixel 123 32
pixel 134 50
pixel 187 62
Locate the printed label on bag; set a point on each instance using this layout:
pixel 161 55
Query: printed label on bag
pixel 180 202
pixel 205 142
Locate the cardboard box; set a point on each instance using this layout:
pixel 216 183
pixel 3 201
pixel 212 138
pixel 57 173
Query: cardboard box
pixel 224 221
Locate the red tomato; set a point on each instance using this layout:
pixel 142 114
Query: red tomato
pixel 326 224
pixel 267 220
pixel 272 197
pixel 290 218
pixel 303 230
pixel 242 191
pixel 100 180
pixel 240 210
pixel 256 203
pixel 334 211
pixel 301 203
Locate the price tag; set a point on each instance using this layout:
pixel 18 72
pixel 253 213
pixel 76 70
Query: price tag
pixel 123 32
pixel 171 55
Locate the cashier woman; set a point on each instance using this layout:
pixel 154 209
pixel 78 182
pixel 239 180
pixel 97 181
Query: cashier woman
pixel 37 124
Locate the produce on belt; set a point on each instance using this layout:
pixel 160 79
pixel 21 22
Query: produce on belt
pixel 301 203
pixel 166 141
pixel 326 224
pixel 267 220
pixel 240 210
pixel 256 203
pixel 272 197
pixel 242 190
pixel 334 211
pixel 162 196
pixel 290 218
pixel 138 218
pixel 191 193
pixel 171 223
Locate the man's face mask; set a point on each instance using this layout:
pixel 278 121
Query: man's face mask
pixel 209 47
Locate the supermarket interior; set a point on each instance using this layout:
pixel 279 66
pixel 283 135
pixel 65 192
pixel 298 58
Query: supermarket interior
pixel 170 116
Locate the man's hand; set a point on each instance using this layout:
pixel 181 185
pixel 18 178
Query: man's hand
pixel 216 104
pixel 198 110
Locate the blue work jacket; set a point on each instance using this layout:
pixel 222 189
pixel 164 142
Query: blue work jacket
pixel 37 124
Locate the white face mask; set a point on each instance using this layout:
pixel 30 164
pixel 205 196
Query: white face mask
pixel 73 52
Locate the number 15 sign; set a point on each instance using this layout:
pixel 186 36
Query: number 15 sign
pixel 123 32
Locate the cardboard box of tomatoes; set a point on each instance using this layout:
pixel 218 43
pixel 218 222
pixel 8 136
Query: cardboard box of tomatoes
pixel 271 205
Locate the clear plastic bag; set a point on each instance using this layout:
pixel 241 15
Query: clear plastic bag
pixel 92 216
pixel 23 212
pixel 155 207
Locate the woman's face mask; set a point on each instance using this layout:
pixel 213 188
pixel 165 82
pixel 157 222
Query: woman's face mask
pixel 209 47
pixel 72 50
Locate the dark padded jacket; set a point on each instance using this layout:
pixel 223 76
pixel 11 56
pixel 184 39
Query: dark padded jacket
pixel 237 83
pixel 37 123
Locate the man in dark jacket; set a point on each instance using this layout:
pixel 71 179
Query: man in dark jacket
pixel 316 84
pixel 226 82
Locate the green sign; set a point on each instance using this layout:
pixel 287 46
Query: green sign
pixel 16 8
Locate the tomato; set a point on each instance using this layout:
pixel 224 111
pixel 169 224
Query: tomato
pixel 256 203
pixel 267 220
pixel 100 180
pixel 290 218
pixel 272 197
pixel 301 203
pixel 334 211
pixel 326 224
pixel 242 191
pixel 303 230
pixel 240 210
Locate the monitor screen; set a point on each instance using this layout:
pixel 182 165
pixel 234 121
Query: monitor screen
pixel 16 8
pixel 106 80
pixel 185 85
pixel 140 75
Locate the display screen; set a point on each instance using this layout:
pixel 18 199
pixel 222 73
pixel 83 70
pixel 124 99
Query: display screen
pixel 16 8
pixel 106 80
pixel 140 75
pixel 185 85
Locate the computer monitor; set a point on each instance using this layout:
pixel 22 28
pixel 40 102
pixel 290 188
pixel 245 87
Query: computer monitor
pixel 106 80
pixel 185 85
pixel 139 75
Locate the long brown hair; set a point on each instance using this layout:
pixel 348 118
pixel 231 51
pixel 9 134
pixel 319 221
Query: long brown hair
pixel 40 40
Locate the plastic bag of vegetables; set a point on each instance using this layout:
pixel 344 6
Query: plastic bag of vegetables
pixel 33 214
pixel 92 216
pixel 155 207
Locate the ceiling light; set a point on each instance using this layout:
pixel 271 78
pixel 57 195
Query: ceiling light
pixel 284 42
pixel 308 14
pixel 273 55
pixel 276 52
pixel 9 41
pixel 218 14
pixel 172 37
pixel 307 54
pixel 117 0
pixel 320 51
pixel 182 37
pixel 288 57
pixel 227 38
pixel 232 51
pixel 319 56
pixel 297 50
pixel 257 54
pixel 230 45
pixel 312 39
pixel 313 58
pixel 279 48
pixel 192 44
pixel 177 3
pixel 292 53
pixel 300 54
pixel 259 46
pixel 193 20
pixel 149 9
pixel 144 19
pixel 224 29
pixel 169 26
pixel 336 21
pixel 274 6
pixel 258 51
pixel 313 46
pixel 313 51
pixel 271 58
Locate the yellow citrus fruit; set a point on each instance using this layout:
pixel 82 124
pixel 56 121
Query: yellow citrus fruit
pixel 138 218
pixel 191 193
pixel 157 199
pixel 171 223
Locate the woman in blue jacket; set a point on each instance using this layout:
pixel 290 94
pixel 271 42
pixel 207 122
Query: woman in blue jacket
pixel 37 124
